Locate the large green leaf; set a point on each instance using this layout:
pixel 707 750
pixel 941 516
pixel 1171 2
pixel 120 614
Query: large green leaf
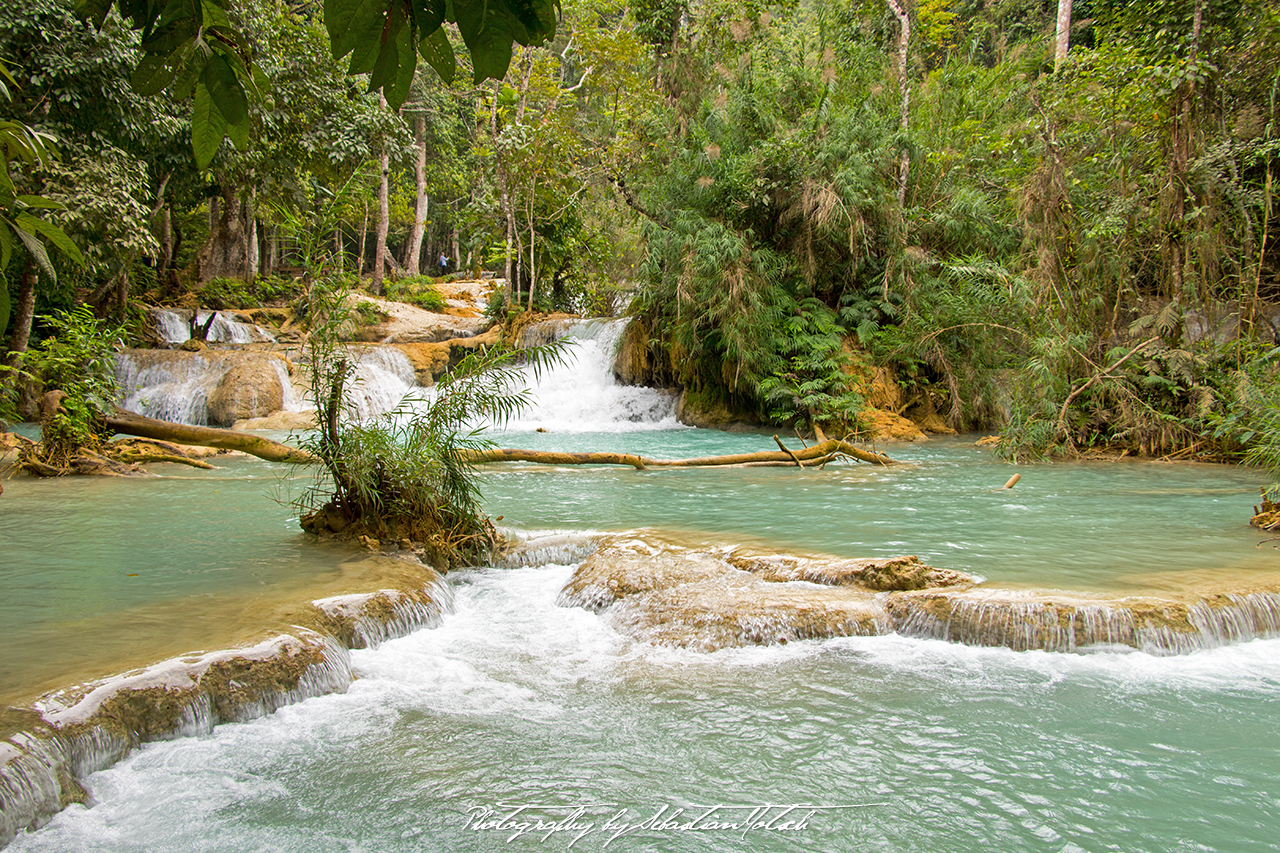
pixel 393 72
pixel 39 201
pixel 226 91
pixel 172 36
pixel 208 127
pixel 438 52
pixel 6 243
pixel 355 25
pixel 155 72
pixel 95 10
pixel 36 248
pixel 537 16
pixel 487 33
pixel 428 15
pixel 213 15
pixel 52 233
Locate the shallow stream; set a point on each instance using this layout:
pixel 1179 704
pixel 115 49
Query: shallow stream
pixel 881 743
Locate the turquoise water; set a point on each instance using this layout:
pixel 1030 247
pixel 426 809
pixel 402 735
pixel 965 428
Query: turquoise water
pixel 1080 526
pixel 103 569
pixel 893 744
pixel 903 745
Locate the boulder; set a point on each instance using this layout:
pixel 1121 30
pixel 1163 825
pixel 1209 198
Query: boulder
pixel 633 365
pixel 251 388
pixel 886 426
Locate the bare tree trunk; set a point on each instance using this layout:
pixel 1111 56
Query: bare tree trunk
pixel 904 41
pixel 1062 38
pixel 414 259
pixel 384 222
pixel 273 249
pixel 533 278
pixel 23 315
pixel 224 253
pixel 251 234
pixel 457 251
pixel 166 241
pixel 364 238
pixel 384 214
pixel 504 195
pixel 1180 179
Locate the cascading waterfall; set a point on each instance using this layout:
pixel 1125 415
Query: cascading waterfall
pixel 1158 628
pixel 170 389
pixel 383 376
pixel 581 394
pixel 174 327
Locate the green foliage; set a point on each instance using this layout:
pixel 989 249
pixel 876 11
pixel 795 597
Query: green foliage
pixel 417 290
pixel 191 50
pixel 78 358
pixel 814 386
pixel 22 213
pixel 405 475
pixel 265 290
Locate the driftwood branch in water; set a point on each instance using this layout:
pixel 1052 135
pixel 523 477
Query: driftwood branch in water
pixel 784 449
pixel 130 423
pixel 818 453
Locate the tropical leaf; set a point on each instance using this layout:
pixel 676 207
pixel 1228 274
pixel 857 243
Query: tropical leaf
pixel 52 233
pixel 436 49
pixel 225 91
pixel 37 250
pixel 208 127
pixel 488 35
pixel 355 26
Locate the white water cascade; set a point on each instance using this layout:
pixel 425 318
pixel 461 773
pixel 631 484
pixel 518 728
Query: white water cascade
pixel 582 395
pixel 170 389
pixel 383 377
pixel 174 328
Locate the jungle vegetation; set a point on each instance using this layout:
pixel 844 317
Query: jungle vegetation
pixel 1062 229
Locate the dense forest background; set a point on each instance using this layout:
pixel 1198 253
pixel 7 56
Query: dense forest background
pixel 982 214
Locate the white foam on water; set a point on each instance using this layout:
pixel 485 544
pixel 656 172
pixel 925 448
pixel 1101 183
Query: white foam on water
pixel 173 328
pixel 383 377
pixel 509 653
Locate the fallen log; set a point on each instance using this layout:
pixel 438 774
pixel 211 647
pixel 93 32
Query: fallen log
pixel 818 454
pixel 131 423
pixel 140 451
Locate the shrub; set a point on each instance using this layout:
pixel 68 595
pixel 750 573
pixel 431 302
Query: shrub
pixel 78 360
pixel 417 290
pixel 405 475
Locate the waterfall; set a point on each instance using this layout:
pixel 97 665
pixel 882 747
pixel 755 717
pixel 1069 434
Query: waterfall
pixel 194 388
pixel 40 772
pixel 383 376
pixel 581 394
pixel 1147 625
pixel 160 384
pixel 174 327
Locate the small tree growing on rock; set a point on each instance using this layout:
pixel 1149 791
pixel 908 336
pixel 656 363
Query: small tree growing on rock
pixel 403 475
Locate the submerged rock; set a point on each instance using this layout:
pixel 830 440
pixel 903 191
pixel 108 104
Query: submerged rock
pixel 712 599
pixel 708 599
